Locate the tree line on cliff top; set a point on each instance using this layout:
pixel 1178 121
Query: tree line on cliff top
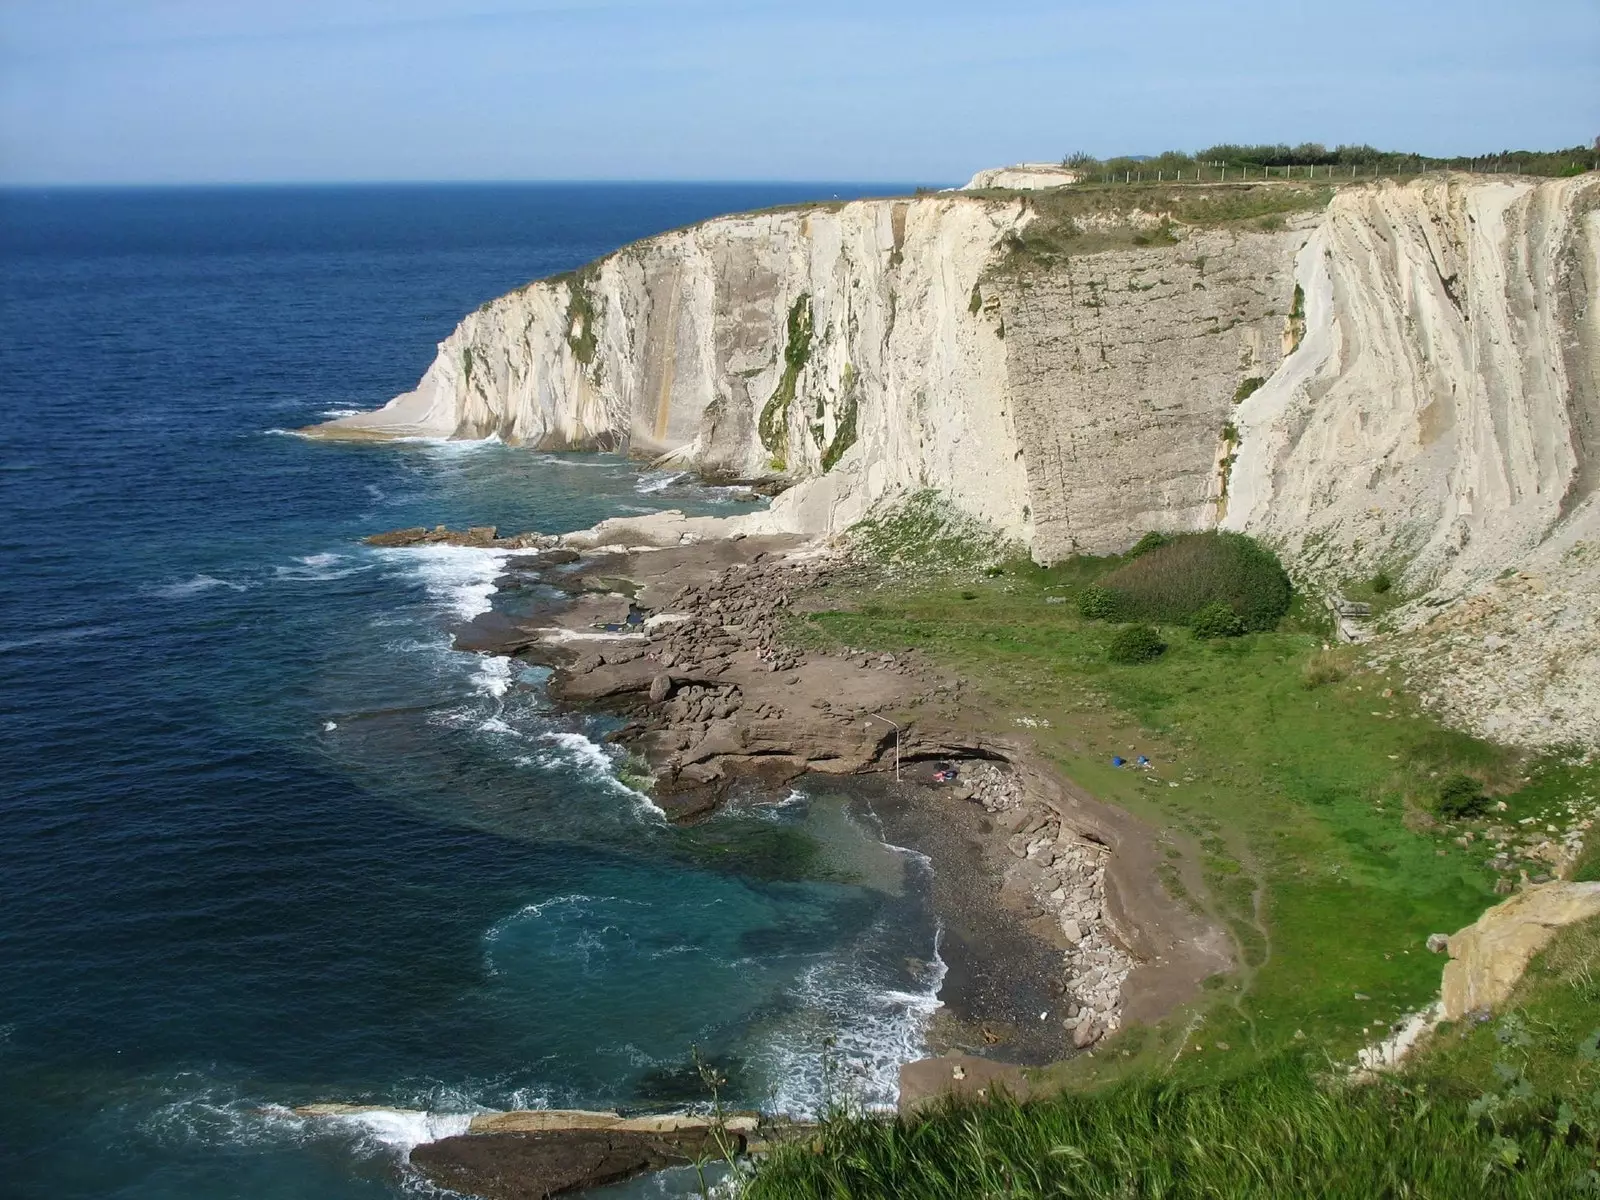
pixel 1571 161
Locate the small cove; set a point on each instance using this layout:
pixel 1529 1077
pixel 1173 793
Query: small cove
pixel 268 838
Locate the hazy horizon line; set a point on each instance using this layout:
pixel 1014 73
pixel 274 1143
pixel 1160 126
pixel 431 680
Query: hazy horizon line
pixel 157 185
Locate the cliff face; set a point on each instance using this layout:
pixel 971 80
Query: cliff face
pixel 831 345
pixel 1443 413
pixel 1407 377
pixel 1441 419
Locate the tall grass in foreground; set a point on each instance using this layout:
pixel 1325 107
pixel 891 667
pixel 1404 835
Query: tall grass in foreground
pixel 1270 1133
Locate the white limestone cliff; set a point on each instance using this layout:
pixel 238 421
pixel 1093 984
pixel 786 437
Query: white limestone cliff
pixel 1430 353
pixel 1023 177
pixel 827 344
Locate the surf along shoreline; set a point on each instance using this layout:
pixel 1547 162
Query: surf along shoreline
pixel 1056 928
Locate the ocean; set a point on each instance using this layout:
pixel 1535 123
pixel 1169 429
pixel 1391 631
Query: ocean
pixel 266 838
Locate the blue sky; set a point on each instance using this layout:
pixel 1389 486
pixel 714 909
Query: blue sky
pixel 166 91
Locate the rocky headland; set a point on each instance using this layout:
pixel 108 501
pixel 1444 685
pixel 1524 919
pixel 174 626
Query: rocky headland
pixel 1394 378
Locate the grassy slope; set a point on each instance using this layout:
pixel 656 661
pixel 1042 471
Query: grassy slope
pixel 1509 1109
pixel 1296 817
pixel 1291 803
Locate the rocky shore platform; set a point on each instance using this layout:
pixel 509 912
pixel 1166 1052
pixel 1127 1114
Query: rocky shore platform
pixel 540 1153
pixel 1058 930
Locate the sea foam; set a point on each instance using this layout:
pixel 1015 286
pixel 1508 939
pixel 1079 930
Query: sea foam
pixel 459 578
pixel 579 752
pixel 194 586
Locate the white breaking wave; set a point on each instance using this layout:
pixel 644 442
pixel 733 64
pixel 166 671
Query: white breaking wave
pixel 493 676
pixel 777 810
pixel 56 637
pixel 874 1031
pixel 402 1130
pixel 194 586
pixel 450 444
pixel 321 566
pixel 461 578
pixel 218 1116
pixel 589 758
pixel 493 933
pixel 333 414
pixel 657 481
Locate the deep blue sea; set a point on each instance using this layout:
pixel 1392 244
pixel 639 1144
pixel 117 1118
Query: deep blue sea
pixel 265 838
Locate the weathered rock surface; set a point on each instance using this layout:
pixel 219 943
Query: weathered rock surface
pixel 1441 419
pixel 534 1154
pixel 485 537
pixel 1488 957
pixel 1023 177
pixel 534 1166
pixel 830 344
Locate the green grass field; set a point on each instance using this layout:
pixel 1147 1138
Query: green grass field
pixel 1293 785
pixel 1302 809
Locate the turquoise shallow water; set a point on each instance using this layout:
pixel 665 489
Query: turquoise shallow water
pixel 265 838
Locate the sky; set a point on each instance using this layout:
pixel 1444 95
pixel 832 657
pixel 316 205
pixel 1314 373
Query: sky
pixel 235 91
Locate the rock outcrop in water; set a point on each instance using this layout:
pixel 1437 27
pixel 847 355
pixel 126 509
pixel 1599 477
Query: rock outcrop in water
pixel 1404 376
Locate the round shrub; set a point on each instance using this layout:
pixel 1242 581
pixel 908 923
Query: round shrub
pixel 1136 644
pixel 1173 582
pixel 1381 583
pixel 1147 543
pixel 1217 620
pixel 1462 796
pixel 1097 604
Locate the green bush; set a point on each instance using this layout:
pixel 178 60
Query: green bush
pixel 1098 604
pixel 1381 583
pixel 1247 389
pixel 1173 582
pixel 1136 644
pixel 1217 620
pixel 1147 543
pixel 1462 796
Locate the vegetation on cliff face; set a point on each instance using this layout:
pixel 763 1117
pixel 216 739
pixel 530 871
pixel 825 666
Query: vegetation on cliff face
pixel 1295 330
pixel 926 532
pixel 774 422
pixel 1248 388
pixel 583 334
pixel 1087 220
pixel 1365 160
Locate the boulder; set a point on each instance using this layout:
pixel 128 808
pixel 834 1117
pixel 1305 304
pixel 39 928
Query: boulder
pixel 660 688
pixel 533 1166
pixel 1488 956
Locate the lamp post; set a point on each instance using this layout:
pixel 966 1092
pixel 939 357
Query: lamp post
pixel 867 724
